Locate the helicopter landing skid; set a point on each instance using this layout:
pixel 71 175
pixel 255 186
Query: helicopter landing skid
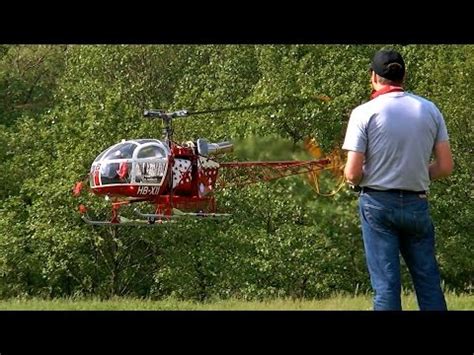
pixel 178 214
pixel 122 221
pixel 151 220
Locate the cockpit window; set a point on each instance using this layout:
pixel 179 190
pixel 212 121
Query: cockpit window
pixel 151 151
pixel 100 155
pixel 143 141
pixel 122 151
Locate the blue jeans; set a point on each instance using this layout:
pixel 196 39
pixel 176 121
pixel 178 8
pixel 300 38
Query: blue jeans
pixel 394 223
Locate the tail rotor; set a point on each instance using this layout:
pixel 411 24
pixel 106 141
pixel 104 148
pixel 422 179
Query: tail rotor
pixel 335 167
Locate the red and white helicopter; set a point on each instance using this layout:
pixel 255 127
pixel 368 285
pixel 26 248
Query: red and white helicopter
pixel 179 180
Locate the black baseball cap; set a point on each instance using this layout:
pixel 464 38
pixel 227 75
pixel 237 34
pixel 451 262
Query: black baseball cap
pixel 388 64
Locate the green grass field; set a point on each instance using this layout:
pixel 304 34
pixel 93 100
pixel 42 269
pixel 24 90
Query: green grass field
pixel 338 302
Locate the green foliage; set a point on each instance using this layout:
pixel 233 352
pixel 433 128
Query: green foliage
pixel 62 105
pixel 28 77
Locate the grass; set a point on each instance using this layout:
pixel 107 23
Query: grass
pixel 335 303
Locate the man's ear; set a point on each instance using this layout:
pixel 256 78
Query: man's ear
pixel 374 78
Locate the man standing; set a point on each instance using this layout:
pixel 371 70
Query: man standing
pixel 390 140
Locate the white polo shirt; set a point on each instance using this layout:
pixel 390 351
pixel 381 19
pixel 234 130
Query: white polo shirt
pixel 396 132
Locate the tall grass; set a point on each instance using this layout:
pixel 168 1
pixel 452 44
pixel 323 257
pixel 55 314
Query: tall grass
pixel 335 303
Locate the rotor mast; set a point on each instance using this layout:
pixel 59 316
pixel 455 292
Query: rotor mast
pixel 167 118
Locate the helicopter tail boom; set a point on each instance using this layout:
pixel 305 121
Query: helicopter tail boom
pixel 244 173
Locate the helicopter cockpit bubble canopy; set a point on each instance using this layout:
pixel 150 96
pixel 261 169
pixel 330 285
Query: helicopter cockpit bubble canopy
pixel 140 161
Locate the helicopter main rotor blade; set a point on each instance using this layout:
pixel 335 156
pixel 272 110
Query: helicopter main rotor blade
pixel 168 116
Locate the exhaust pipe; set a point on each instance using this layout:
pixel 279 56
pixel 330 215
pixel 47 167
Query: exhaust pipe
pixel 205 148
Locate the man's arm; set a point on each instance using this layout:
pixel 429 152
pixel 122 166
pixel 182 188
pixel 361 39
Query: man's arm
pixel 353 168
pixel 443 164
